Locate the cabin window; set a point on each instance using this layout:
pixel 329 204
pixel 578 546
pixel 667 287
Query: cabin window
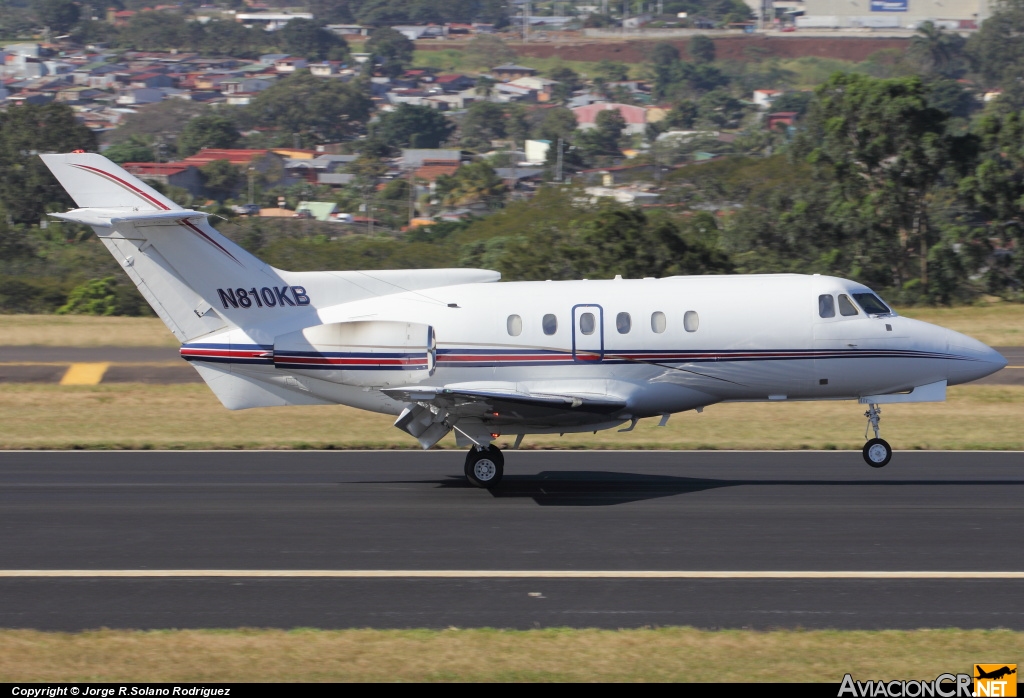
pixel 846 306
pixel 514 325
pixel 623 323
pixel 872 304
pixel 658 322
pixel 826 305
pixel 691 321
pixel 550 324
pixel 587 323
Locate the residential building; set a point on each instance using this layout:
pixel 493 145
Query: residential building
pixel 175 174
pixel 636 117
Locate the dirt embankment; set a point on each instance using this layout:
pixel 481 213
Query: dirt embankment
pixel 741 48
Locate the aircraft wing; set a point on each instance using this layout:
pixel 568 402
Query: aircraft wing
pixel 506 403
pixel 436 410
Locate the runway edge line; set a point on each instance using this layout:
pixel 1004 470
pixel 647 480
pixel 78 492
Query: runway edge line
pixel 514 574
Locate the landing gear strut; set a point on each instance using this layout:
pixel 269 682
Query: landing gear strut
pixel 484 466
pixel 877 451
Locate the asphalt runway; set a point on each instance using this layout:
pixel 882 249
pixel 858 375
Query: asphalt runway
pixel 163 365
pixel 231 539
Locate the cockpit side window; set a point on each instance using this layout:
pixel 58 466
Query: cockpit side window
pixel 846 306
pixel 826 305
pixel 872 304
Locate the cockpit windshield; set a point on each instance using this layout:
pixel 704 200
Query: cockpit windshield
pixel 872 304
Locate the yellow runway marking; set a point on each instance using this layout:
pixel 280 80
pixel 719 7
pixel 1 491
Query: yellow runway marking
pixel 84 374
pixel 518 574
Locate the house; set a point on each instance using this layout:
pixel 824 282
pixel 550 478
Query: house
pixel 510 71
pixel 763 98
pixel 325 69
pixel 174 174
pixel 781 118
pixel 430 170
pixel 266 162
pixel 140 95
pixel 542 87
pixel 636 117
pixel 312 169
pixel 417 157
pixel 454 82
pixel 289 65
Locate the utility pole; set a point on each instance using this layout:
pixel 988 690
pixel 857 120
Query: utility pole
pixel 412 195
pixel 558 166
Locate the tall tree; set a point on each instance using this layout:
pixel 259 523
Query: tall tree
pixel 309 39
pixel 996 47
pixel 58 15
pixel 391 48
pixel 207 131
pixel 882 149
pixel 323 110
pixel 27 189
pixel 412 126
pixel 701 49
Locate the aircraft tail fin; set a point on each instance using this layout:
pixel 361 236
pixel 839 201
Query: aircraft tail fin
pixel 174 256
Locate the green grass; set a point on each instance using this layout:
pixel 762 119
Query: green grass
pixel 556 654
pixel 138 416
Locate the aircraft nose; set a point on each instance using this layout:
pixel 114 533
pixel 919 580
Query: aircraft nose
pixel 975 359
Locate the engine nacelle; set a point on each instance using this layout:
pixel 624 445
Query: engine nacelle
pixel 368 353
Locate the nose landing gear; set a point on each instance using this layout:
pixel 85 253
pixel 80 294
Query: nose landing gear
pixel 484 466
pixel 877 451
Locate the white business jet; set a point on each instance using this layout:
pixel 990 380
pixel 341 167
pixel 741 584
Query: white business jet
pixel 454 350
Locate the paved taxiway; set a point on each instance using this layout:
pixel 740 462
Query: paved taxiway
pixel 131 513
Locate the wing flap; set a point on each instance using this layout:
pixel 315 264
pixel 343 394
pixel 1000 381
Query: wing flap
pixel 501 402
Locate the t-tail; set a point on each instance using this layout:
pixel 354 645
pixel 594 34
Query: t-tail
pixel 227 307
pixel 196 280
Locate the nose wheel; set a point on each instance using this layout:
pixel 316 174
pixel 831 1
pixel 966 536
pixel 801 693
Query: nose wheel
pixel 484 466
pixel 877 451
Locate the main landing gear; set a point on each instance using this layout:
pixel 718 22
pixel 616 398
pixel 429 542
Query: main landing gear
pixel 484 466
pixel 877 451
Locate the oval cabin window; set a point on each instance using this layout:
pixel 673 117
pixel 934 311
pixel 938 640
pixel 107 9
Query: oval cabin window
pixel 514 325
pixel 658 322
pixel 587 323
pixel 691 321
pixel 550 324
pixel 623 323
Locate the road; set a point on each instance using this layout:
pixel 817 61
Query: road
pixel 251 539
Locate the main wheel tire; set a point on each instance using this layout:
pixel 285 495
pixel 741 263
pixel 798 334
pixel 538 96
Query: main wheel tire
pixel 877 453
pixel 485 468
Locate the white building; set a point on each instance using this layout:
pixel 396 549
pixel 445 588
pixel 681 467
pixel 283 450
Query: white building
pixel 881 14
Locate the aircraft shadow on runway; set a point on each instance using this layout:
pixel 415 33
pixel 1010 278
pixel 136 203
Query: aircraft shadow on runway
pixel 583 488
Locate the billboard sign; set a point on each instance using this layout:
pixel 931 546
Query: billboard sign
pixel 889 5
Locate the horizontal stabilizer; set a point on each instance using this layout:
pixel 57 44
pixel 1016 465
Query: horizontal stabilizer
pixel 110 217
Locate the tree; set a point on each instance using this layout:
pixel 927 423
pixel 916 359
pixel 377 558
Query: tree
pixel 58 15
pixel 412 126
pixel 483 123
pixel 881 149
pixel 938 51
pixel 475 182
pixel 558 122
pixel 612 71
pixel 207 131
pixel 701 49
pixel 135 149
pixel 309 39
pixel 27 189
pixel 391 48
pixel 486 51
pixel 604 138
pixel 996 48
pixel 323 110
pixel 221 179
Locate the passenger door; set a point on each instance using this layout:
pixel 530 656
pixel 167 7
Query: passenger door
pixel 587 332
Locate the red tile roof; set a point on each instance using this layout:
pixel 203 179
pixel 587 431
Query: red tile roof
pixel 149 169
pixel 234 156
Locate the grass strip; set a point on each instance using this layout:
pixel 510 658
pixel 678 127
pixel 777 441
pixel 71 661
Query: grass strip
pixel 559 654
pixel 141 416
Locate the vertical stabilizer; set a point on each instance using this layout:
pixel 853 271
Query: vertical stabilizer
pixel 196 280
